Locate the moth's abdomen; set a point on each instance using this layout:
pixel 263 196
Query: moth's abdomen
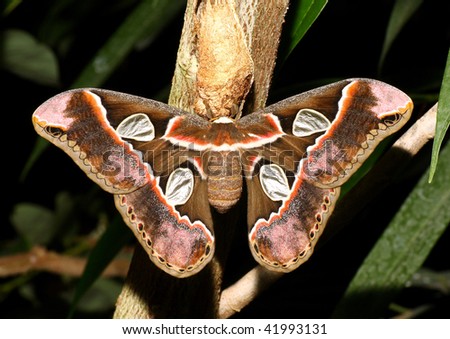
pixel 224 179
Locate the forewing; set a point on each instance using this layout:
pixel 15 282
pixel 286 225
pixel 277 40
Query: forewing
pixel 361 113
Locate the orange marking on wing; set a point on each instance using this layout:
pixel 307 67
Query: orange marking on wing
pixel 173 132
pixel 99 112
pixel 345 104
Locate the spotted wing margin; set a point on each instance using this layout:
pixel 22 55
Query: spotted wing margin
pixel 327 134
pixel 110 135
pixel 174 243
pixel 287 238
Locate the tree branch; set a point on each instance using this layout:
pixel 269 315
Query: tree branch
pixel 227 50
pixel 40 259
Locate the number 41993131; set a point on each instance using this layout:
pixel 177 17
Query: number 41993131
pixel 295 329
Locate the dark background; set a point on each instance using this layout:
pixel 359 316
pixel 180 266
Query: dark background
pixel 345 41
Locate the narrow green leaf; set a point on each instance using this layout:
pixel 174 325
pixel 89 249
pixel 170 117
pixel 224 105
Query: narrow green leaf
pixel 307 12
pixel 101 297
pixel 402 248
pixel 9 6
pixel 112 241
pixel 24 56
pixel 39 146
pixel 149 16
pixel 401 13
pixel 443 118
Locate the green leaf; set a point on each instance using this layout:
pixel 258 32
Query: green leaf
pixel 443 118
pixel 101 297
pixel 40 146
pixel 24 56
pixel 401 13
pixel 39 225
pixel 305 15
pixel 9 6
pixel 35 223
pixel 149 16
pixel 112 241
pixel 402 248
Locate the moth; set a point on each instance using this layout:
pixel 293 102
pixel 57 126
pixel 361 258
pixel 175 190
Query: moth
pixel 171 170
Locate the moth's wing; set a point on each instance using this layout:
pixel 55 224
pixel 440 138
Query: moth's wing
pixel 179 243
pixel 81 123
pixel 287 238
pixel 351 118
pixel 286 214
pixel 118 141
pixel 322 138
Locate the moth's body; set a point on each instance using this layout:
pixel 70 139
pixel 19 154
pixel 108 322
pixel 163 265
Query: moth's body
pixel 217 161
pixel 168 168
pixel 218 153
pixel 225 182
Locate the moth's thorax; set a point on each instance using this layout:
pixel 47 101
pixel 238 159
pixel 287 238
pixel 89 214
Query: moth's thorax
pixel 224 179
